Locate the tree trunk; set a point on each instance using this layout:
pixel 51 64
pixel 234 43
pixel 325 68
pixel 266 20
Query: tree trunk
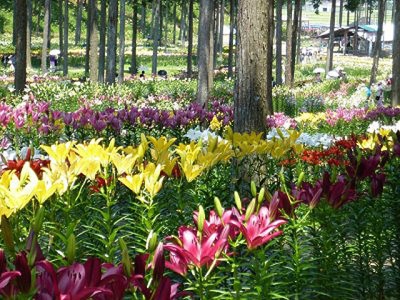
pixel 231 29
pixel 153 11
pixel 182 27
pixel 102 44
pixel 37 11
pixel 215 33
pixel 161 31
pixel 340 13
pixel 289 46
pixel 250 104
pixel 396 56
pixel 28 34
pixel 166 25
pixel 221 31
pixel 20 46
pixel 112 41
pixel 87 48
pixel 190 41
pixel 211 49
pixel 378 40
pixel 279 42
pixel 298 34
pixel 174 31
pixel 156 29
pixel 121 42
pixel 329 57
pixel 143 19
pixel 78 22
pixel 65 52
pixel 15 23
pixel 355 37
pixel 134 37
pixel 94 42
pixel 60 27
pixel 203 52
pixel 46 28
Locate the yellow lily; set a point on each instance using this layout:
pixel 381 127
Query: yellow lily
pixel 152 180
pixel 134 183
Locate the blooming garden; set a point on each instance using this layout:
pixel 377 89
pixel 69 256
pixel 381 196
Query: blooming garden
pixel 135 192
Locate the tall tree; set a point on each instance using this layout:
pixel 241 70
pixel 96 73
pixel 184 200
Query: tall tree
pixel 87 50
pixel 190 41
pixel 289 46
pixel 183 23
pixel 232 5
pixel 94 42
pixel 174 30
pixel 156 36
pixel 65 51
pixel 78 26
pixel 46 29
pixel 134 37
pixel 378 40
pixel 112 41
pixel 329 58
pixel 279 4
pixel 60 26
pixel 28 34
pixel 221 30
pixel 102 43
pixel 295 30
pixel 254 43
pixel 143 19
pixel 20 47
pixel 396 56
pixel 203 52
pixel 121 42
pixel 340 13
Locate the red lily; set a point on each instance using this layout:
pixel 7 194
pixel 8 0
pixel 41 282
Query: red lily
pixel 259 229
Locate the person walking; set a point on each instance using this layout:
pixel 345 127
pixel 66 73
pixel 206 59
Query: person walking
pixel 379 95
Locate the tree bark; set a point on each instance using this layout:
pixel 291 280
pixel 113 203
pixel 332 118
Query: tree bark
pixel 212 48
pixel 46 28
pixel 20 46
pixel 215 33
pixel 289 30
pixel 183 22
pixel 156 29
pixel 174 30
pixel 28 34
pixel 60 27
pixel 279 42
pixel 396 56
pixel 378 40
pixel 231 29
pixel 112 41
pixel 203 52
pixel 190 41
pixel 166 24
pixel 94 42
pixel 295 34
pixel 340 13
pixel 143 19
pixel 121 42
pixel 250 104
pixel 134 37
pixel 329 58
pixel 78 22
pixel 102 43
pixel 65 52
pixel 87 48
pixel 221 31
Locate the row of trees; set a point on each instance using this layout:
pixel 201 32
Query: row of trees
pixel 255 39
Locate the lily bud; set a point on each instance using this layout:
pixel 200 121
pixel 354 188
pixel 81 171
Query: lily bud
pixel 71 249
pixel 218 207
pixel 268 195
pixel 151 242
pixel 158 263
pixel 253 189
pixel 250 209
pixel 238 202
pixel 261 196
pixel 300 179
pixel 126 261
pixel 38 222
pixel 200 219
